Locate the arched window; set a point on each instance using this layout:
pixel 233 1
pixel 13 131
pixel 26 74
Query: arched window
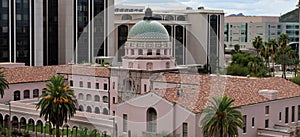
pixel 181 18
pixel 149 52
pixel 157 51
pixel 151 120
pixel 105 111
pixel 157 17
pixel 88 97
pixel 126 17
pixel 36 93
pixel 26 94
pixel 81 108
pixel 116 10
pixel 97 98
pixel 97 110
pixel 140 51
pixel 149 66
pixel 105 99
pixel 80 96
pixel 167 64
pixel 89 109
pixel 169 17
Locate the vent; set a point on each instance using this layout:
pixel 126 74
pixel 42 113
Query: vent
pixel 270 94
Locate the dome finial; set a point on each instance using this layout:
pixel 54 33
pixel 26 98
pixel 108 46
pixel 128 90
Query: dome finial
pixel 148 13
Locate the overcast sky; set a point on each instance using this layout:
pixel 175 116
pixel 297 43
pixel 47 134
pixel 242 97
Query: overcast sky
pixel 247 7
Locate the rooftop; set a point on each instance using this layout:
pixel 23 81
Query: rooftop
pixel 203 87
pixel 43 73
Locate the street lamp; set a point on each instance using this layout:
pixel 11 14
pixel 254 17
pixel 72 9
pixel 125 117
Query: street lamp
pixel 9 109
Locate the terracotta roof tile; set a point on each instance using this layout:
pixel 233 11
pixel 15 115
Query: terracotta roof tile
pixel 43 73
pixel 198 89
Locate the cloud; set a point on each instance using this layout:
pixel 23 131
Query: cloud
pixel 248 7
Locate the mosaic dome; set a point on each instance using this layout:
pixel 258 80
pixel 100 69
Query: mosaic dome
pixel 148 30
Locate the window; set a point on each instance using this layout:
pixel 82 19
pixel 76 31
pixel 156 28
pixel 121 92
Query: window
pixel 165 51
pixel 140 51
pixel 286 115
pixel 105 86
pixel 267 123
pixel 298 112
pixel 19 17
pixel 88 97
pixel 105 111
pixel 4 29
pixel 145 87
pixel 267 110
pixel 89 109
pixel 167 64
pixel 114 100
pixel 80 108
pixel 97 98
pixel 279 116
pixel 4 17
pixel 89 84
pixel 149 52
pixel 151 120
pixel 71 83
pixel 26 94
pixel 149 66
pixel 105 99
pixel 132 51
pixel 293 113
pixel 17 95
pixel 185 130
pixel 97 110
pixel 80 96
pixel 97 85
pixel 158 52
pixel 114 84
pixel 36 93
pixel 5 3
pixel 125 122
pixel 252 122
pixel 245 124
pixel 80 84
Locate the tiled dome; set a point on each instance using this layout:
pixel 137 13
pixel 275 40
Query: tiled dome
pixel 148 30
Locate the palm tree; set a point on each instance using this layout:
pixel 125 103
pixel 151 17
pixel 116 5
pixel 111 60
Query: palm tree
pixel 265 53
pixel 257 44
pixel 57 103
pixel 282 52
pixel 273 48
pixel 3 83
pixel 221 118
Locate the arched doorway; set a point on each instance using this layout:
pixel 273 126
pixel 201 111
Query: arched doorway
pixel 6 121
pixel 23 123
pixel 15 122
pixel 39 126
pixel 151 120
pixel 30 125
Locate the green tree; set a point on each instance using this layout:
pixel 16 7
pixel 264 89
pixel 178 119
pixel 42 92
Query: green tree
pixel 282 56
pixel 265 54
pixel 257 44
pixel 57 103
pixel 272 44
pixel 221 118
pixel 237 49
pixel 296 80
pixel 3 83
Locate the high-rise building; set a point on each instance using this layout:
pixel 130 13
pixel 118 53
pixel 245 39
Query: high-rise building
pixel 20 30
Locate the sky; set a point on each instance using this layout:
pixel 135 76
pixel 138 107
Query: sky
pixel 247 7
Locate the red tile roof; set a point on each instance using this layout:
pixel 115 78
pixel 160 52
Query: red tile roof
pixel 85 70
pixel 39 74
pixel 244 90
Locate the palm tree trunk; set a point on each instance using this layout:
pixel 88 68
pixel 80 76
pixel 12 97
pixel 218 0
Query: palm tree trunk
pixel 273 62
pixel 284 68
pixel 296 66
pixel 57 130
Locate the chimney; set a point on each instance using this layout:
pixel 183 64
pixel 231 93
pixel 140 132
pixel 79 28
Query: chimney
pixel 270 94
